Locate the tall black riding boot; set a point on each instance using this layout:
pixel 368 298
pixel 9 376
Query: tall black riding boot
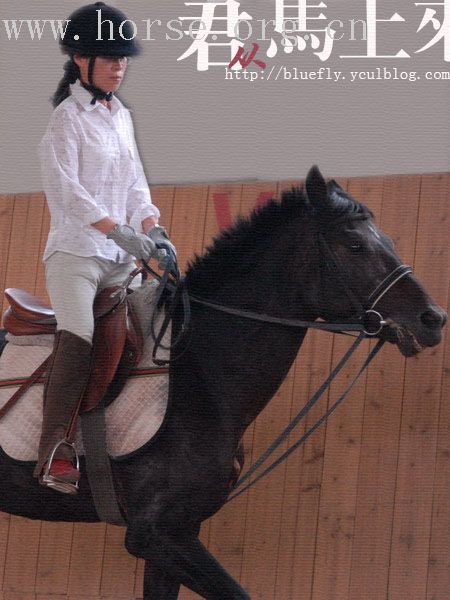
pixel 66 381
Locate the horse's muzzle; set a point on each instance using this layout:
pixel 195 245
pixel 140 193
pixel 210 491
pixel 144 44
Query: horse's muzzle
pixel 413 338
pixel 434 318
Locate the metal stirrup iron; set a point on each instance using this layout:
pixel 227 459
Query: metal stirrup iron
pixel 51 481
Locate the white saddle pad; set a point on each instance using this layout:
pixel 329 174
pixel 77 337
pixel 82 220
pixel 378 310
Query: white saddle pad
pixel 132 419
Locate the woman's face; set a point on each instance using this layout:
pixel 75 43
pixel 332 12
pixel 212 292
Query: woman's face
pixel 108 71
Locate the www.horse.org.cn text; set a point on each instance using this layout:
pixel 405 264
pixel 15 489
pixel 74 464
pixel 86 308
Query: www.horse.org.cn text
pixel 288 73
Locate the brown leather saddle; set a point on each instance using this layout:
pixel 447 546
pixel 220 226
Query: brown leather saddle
pixel 117 344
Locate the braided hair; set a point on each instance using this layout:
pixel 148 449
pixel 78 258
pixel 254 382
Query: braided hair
pixel 71 74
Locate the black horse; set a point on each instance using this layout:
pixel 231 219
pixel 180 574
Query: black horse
pixel 229 367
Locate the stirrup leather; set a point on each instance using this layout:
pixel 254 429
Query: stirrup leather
pixel 52 481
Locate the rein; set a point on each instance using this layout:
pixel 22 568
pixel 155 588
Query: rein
pixel 395 276
pixel 368 323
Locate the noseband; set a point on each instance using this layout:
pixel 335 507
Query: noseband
pixel 371 320
pixel 388 282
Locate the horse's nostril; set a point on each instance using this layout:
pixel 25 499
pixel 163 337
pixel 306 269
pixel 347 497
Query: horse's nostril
pixel 433 318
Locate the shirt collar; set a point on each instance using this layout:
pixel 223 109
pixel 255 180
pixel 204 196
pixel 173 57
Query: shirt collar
pixel 84 97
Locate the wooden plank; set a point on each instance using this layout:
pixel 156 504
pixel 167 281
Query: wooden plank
pixel 54 558
pixel 25 241
pixel 215 219
pixel 21 558
pixel 340 465
pixel 39 199
pixel 205 203
pixel 251 193
pixel 304 469
pixel 256 194
pixel 6 219
pixel 438 582
pixel 187 233
pixel 296 551
pixel 222 209
pixel 222 533
pixel 223 201
pixel 4 533
pixel 40 289
pixel 419 427
pixel 162 197
pixel 139 579
pixel 119 567
pixel 188 222
pixel 264 507
pixel 186 594
pixel 86 559
pixel 375 484
pixel 227 527
pixel 296 468
pixel 382 412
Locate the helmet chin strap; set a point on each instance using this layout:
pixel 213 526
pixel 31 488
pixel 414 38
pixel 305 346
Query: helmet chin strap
pixel 95 91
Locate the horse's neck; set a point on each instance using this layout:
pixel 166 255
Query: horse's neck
pixel 265 365
pixel 239 363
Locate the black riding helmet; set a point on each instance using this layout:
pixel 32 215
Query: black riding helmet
pixel 117 39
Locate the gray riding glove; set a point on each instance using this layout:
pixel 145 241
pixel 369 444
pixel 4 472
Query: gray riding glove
pixel 138 244
pixel 165 248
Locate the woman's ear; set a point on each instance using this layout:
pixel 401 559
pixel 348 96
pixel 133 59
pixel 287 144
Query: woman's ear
pixel 78 59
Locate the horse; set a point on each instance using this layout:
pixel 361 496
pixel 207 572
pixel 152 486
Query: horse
pixel 227 367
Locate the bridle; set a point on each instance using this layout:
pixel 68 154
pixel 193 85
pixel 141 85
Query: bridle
pixel 368 322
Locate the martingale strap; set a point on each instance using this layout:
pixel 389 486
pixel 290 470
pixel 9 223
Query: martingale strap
pixel 25 385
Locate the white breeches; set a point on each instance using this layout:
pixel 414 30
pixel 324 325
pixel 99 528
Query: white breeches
pixel 72 283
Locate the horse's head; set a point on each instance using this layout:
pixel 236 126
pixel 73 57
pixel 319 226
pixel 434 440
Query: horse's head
pixel 354 257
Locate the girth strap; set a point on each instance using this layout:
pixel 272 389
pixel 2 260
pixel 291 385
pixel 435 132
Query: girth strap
pixel 98 466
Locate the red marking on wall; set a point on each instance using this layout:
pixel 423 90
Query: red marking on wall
pixel 223 212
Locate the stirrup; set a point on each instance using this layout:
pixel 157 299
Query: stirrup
pixel 53 482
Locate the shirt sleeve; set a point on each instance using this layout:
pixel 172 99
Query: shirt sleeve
pixel 59 167
pixel 139 202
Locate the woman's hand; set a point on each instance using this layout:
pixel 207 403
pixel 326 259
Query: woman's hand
pixel 165 248
pixel 137 244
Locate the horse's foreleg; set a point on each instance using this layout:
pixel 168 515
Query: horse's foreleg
pixel 159 583
pixel 184 557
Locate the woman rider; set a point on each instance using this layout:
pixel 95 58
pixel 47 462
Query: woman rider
pixel 94 183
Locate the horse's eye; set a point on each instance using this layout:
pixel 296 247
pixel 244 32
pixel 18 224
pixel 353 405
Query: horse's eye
pixel 356 247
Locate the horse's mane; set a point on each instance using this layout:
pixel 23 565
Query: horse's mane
pixel 248 233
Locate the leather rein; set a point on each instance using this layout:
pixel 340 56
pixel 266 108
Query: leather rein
pixel 368 323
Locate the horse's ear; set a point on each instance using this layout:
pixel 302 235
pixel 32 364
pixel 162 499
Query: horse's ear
pixel 333 185
pixel 316 188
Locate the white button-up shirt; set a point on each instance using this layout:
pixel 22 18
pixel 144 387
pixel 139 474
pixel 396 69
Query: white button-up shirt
pixel 91 169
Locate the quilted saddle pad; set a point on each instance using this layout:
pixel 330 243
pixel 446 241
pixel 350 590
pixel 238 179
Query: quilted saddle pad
pixel 132 419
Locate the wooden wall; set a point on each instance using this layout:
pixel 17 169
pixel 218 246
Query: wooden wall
pixel 361 511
